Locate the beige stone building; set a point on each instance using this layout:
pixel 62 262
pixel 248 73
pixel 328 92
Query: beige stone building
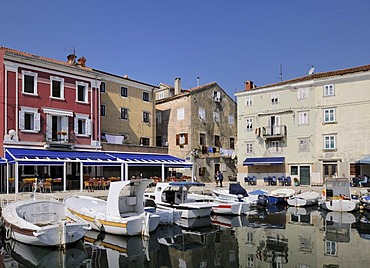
pixel 307 128
pixel 199 125
pixel 127 111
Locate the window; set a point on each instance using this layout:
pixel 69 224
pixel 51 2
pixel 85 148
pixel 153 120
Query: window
pixel 232 143
pixel 102 110
pixel 302 93
pixel 294 170
pixel 202 113
pixel 249 124
pixel 102 87
pixel 124 91
pixel 144 141
pixel 160 95
pixel 330 248
pixel 249 148
pixel 158 141
pixel 29 119
pixel 182 139
pixel 180 114
pixel 248 101
pixel 124 113
pixel 29 85
pixel 303 118
pixel 329 142
pixel 81 92
pixel 304 145
pixel 146 117
pixel 82 125
pixel 145 96
pixel 158 118
pixel 216 96
pixel 231 119
pixel 57 87
pixel 329 115
pixel 217 141
pixel 202 139
pixel 328 90
pixel 216 116
pixel 274 98
pixel 275 146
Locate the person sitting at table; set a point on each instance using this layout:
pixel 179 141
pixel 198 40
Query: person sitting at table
pixel 365 180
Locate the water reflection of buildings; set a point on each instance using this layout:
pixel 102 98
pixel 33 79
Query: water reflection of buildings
pixel 308 239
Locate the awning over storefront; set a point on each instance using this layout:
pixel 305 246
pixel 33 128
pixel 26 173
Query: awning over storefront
pixel 2 161
pixel 140 159
pixel 90 158
pixel 365 160
pixel 260 161
pixel 51 157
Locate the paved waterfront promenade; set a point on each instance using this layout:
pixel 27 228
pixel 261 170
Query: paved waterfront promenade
pixel 5 198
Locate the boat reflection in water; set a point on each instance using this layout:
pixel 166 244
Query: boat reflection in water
pixel 292 237
pixel 37 256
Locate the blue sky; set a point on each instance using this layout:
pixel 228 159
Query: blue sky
pixel 228 42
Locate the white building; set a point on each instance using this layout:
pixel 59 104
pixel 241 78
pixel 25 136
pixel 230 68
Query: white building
pixel 307 128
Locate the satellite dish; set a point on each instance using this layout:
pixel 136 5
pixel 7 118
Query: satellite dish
pixel 311 71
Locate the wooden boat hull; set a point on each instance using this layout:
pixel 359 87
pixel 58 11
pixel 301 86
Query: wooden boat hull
pixel 24 222
pixel 93 210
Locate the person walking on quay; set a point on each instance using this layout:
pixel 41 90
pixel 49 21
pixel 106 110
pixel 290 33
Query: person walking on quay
pixel 216 179
pixel 220 177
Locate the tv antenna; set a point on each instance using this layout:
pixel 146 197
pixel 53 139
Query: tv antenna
pixel 70 50
pixel 280 73
pixel 312 70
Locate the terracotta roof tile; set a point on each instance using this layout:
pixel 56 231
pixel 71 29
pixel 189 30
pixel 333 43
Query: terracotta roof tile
pixel 29 55
pixel 363 68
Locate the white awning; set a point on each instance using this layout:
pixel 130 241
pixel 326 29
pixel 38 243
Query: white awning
pixel 57 112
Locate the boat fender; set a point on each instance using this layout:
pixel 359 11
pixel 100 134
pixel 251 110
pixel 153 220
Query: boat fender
pixel 8 233
pixel 98 223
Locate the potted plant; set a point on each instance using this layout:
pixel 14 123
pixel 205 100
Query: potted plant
pixel 296 182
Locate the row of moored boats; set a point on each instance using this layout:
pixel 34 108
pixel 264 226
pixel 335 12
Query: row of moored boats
pixel 130 209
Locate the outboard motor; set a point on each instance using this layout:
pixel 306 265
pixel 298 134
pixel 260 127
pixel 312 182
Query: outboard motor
pixel 262 200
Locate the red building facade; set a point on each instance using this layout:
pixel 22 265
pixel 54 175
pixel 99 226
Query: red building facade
pixel 48 103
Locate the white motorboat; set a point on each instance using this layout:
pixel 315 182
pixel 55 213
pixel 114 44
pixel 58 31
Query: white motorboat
pixel 122 214
pixel 234 192
pixel 230 207
pixel 280 196
pixel 336 196
pixel 42 223
pixel 307 198
pixel 174 196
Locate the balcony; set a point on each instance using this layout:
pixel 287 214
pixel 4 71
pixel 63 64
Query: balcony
pixel 59 140
pixel 274 132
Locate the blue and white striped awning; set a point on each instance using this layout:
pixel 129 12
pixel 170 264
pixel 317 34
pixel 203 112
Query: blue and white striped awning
pixel 139 159
pixel 365 160
pixel 92 158
pixel 262 161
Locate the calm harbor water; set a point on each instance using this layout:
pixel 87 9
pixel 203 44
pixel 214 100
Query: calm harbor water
pixel 277 237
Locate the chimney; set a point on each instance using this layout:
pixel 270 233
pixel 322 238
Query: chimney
pixel 82 61
pixel 71 59
pixel 248 85
pixel 177 85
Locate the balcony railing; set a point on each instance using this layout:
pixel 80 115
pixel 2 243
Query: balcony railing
pixel 274 132
pixel 59 140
